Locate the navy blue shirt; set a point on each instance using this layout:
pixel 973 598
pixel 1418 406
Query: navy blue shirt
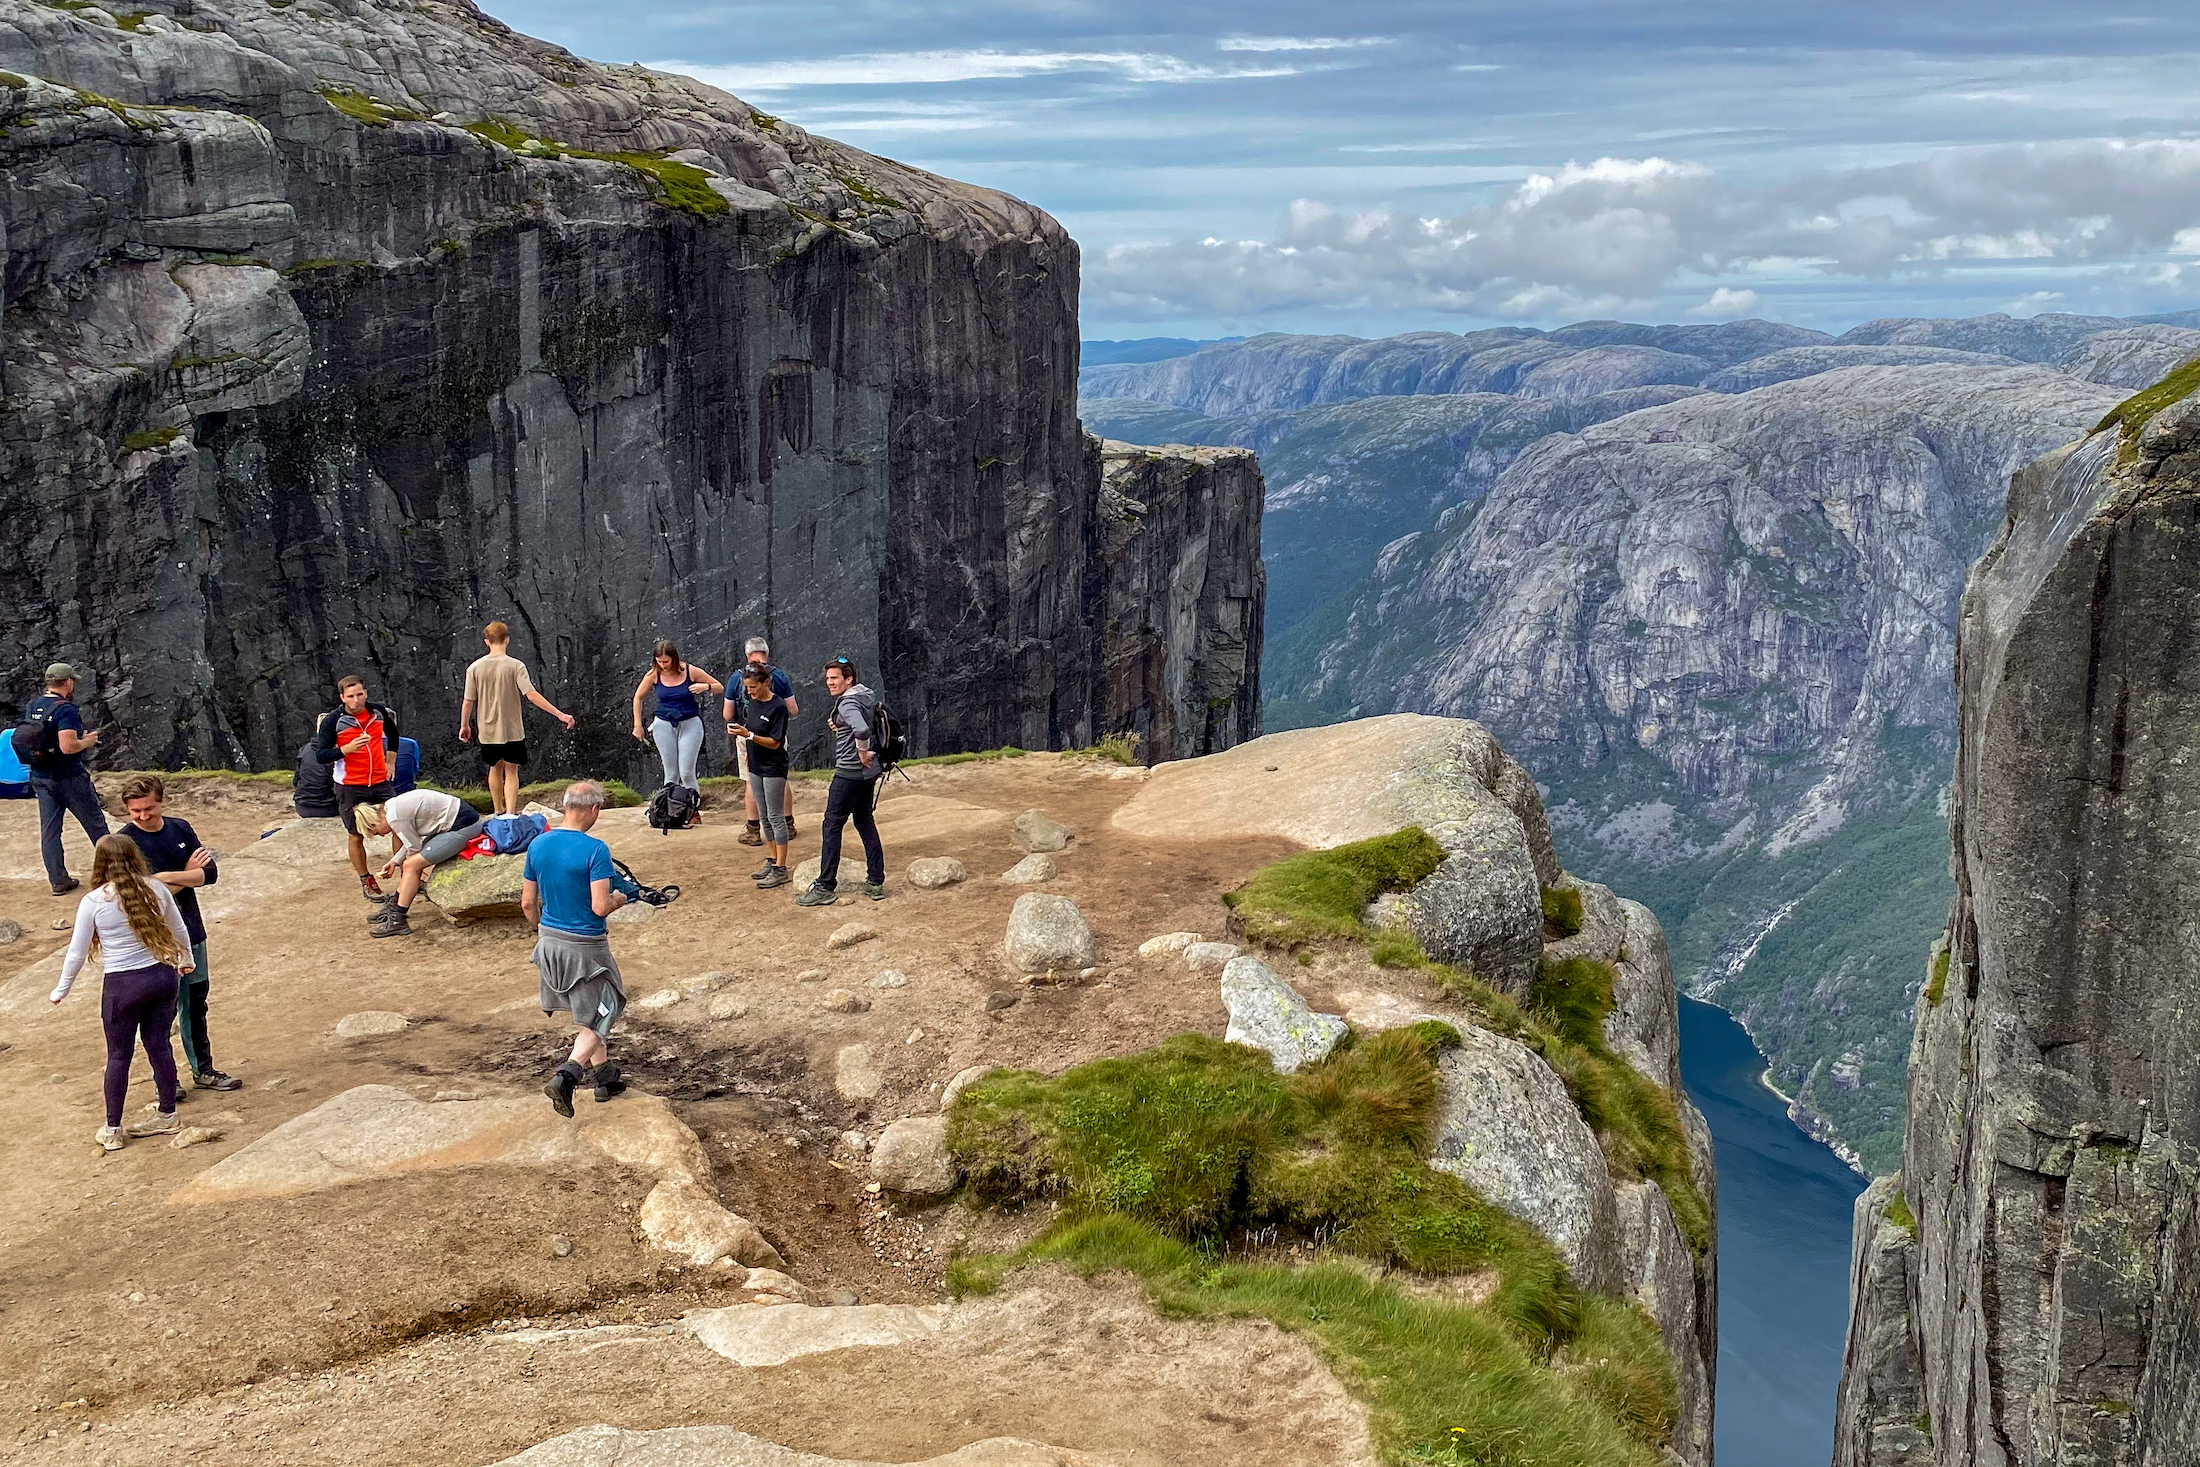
pixel 169 849
pixel 64 715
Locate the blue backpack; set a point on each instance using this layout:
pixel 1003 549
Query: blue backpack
pixel 406 774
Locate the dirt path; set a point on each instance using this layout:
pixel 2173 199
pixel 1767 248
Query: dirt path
pixel 374 1294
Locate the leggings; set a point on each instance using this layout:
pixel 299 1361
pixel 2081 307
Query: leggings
pixel 137 1005
pixel 771 803
pixel 680 745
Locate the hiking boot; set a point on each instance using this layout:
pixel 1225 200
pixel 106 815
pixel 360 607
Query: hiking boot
pixel 371 889
pixel 763 871
pixel 817 896
pixel 67 886
pixel 608 1081
pixel 110 1138
pixel 752 835
pixel 216 1080
pixel 875 890
pixel 160 1123
pixel 390 921
pixel 560 1088
pixel 780 876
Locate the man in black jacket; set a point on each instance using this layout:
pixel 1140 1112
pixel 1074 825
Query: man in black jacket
pixel 58 777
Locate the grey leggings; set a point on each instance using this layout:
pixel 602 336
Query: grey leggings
pixel 680 745
pixel 771 804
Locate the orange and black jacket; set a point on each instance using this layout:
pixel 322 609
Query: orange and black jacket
pixel 374 760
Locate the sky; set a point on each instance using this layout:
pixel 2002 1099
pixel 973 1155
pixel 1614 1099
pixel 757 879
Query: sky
pixel 1399 165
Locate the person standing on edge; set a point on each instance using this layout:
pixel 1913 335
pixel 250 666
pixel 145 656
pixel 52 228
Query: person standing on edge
pixel 141 938
pixel 678 724
pixel 758 653
pixel 58 777
pixel 762 736
pixel 431 827
pixel 854 790
pixel 360 739
pixel 173 854
pixel 495 684
pixel 565 890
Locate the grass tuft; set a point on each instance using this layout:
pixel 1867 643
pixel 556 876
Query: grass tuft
pixel 2133 413
pixel 1561 911
pixel 680 186
pixel 1118 748
pixel 365 110
pixel 1937 989
pixel 1898 1213
pixel 153 438
pixel 1321 895
pixel 547 792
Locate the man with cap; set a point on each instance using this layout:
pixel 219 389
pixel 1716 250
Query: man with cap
pixel 57 773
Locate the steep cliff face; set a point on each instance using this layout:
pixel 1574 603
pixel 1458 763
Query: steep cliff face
pixel 336 329
pixel 2046 1293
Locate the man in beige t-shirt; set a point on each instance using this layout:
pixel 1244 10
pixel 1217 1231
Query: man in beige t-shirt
pixel 495 686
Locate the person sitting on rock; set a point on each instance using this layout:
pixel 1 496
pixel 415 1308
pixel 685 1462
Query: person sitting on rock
pixel 566 892
pixel 430 828
pixel 762 733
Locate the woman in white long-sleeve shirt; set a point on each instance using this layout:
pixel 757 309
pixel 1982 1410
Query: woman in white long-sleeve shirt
pixel 146 949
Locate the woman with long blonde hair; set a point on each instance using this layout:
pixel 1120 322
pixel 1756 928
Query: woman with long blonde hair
pixel 146 949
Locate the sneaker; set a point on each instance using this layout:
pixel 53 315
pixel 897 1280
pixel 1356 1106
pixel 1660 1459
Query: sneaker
pixel 607 1080
pixel 67 886
pixel 110 1138
pixel 391 921
pixel 160 1123
pixel 370 888
pixel 216 1080
pixel 817 896
pixel 780 876
pixel 875 890
pixel 763 871
pixel 560 1091
pixel 751 836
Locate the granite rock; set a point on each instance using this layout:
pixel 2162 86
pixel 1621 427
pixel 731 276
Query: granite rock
pixel 1048 934
pixel 1269 1014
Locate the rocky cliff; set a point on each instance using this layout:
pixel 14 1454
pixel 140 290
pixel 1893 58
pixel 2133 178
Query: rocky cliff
pixel 336 328
pixel 2025 1290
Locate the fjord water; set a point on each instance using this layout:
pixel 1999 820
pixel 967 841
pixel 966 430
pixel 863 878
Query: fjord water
pixel 1784 1213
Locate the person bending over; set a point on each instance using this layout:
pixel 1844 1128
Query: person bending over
pixel 429 828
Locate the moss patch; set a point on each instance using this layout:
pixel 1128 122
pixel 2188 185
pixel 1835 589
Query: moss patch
pixel 1898 1213
pixel 547 792
pixel 1561 911
pixel 680 186
pixel 365 110
pixel 1116 748
pixel 2133 413
pixel 869 195
pixel 1937 988
pixel 1321 895
pixel 152 438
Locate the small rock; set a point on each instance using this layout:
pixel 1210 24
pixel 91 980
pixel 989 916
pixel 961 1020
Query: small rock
pixel 912 1158
pixel 811 975
pixel 890 978
pixel 934 872
pixel 561 1246
pixel 709 982
pixel 1086 975
pixel 995 1001
pixel 62 924
pixel 841 1001
pixel 682 1217
pixel 633 914
pixel 855 1141
pixel 374 1021
pixel 1268 1013
pixel 1210 954
pixel 728 1007
pixel 963 1080
pixel 10 931
pixel 195 1136
pixel 663 998
pixel 1036 832
pixel 1269 768
pixel 856 1074
pixel 850 935
pixel 1031 870
pixel 840 1298
pixel 1168 943
pixel 57 1079
pixel 1047 933
pixel 770 1286
pixel 456 1095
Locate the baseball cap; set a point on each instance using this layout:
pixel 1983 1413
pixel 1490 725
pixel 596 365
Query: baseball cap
pixel 57 672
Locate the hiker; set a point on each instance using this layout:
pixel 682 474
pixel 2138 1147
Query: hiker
pixel 180 862
pixel 678 724
pixel 762 737
pixel 359 739
pixel 141 938
pixel 566 891
pixel 57 772
pixel 758 653
pixel 495 684
pixel 856 770
pixel 430 828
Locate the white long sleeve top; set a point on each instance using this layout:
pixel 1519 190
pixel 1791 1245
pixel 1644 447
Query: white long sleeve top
pixel 119 947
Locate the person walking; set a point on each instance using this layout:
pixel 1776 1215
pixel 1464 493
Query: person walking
pixel 854 792
pixel 146 950
pixel 761 735
pixel 495 687
pixel 758 653
pixel 57 773
pixel 430 828
pixel 181 863
pixel 677 726
pixel 565 889
pixel 360 739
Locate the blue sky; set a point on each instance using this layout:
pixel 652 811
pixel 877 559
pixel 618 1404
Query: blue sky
pixel 1381 167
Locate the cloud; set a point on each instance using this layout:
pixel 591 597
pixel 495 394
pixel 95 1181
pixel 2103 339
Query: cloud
pixel 1616 231
pixel 1300 43
pixel 927 68
pixel 1726 304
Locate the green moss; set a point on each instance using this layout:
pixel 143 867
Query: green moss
pixel 1116 748
pixel 12 82
pixel 764 120
pixel 363 109
pixel 546 792
pixel 2111 1406
pixel 1937 989
pixel 1321 895
pixel 2133 413
pixel 1006 751
pixel 306 267
pixel 680 186
pixel 152 438
pixel 1898 1212
pixel 278 777
pixel 1562 910
pixel 869 195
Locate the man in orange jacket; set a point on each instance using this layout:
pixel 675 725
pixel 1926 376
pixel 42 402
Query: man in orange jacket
pixel 360 739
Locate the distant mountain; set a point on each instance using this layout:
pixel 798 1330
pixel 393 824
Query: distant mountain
pixel 1145 349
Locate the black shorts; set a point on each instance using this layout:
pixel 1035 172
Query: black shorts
pixel 513 753
pixel 350 797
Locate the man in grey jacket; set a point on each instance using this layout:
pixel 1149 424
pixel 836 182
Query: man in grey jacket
pixel 856 770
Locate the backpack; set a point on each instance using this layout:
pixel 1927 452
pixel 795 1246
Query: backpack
pixel 888 741
pixel 35 740
pixel 405 768
pixel 624 883
pixel 313 787
pixel 674 807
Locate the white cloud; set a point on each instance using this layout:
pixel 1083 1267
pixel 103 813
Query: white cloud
pixel 2035 302
pixel 925 68
pixel 1726 304
pixel 1300 43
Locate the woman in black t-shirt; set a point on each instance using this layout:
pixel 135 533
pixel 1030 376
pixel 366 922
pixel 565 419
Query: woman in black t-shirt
pixel 763 725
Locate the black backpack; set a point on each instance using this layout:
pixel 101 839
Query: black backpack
pixel 888 741
pixel 624 882
pixel 37 742
pixel 674 807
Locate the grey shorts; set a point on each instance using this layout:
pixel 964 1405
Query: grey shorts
pixel 579 977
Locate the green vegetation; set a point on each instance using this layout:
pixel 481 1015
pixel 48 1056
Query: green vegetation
pixel 1937 989
pixel 304 267
pixel 547 792
pixel 1117 748
pixel 1561 910
pixel 1321 895
pixel 1898 1213
pixel 279 777
pixel 764 120
pixel 2134 412
pixel 680 186
pixel 866 193
pixel 363 109
pixel 135 20
pixel 151 438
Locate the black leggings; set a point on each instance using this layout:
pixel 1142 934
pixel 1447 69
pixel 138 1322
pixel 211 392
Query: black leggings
pixel 850 799
pixel 138 1006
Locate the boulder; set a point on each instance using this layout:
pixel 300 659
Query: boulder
pixel 911 1158
pixel 849 935
pixel 680 1216
pixel 1048 934
pixel 805 874
pixel 1035 831
pixel 1031 870
pixel 1268 1013
pixel 372 1022
pixel 1168 944
pixel 633 914
pixel 1210 954
pixel 856 1075
pixel 474 891
pixel 10 931
pixel 309 842
pixel 933 872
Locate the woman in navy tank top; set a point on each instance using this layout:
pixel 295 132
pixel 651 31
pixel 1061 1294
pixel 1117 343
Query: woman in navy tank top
pixel 677 726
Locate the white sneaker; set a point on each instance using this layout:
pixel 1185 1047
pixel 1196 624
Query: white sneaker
pixel 110 1138
pixel 155 1125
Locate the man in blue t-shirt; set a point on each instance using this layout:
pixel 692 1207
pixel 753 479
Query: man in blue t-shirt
pixel 566 890
pixel 58 777
pixel 757 653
